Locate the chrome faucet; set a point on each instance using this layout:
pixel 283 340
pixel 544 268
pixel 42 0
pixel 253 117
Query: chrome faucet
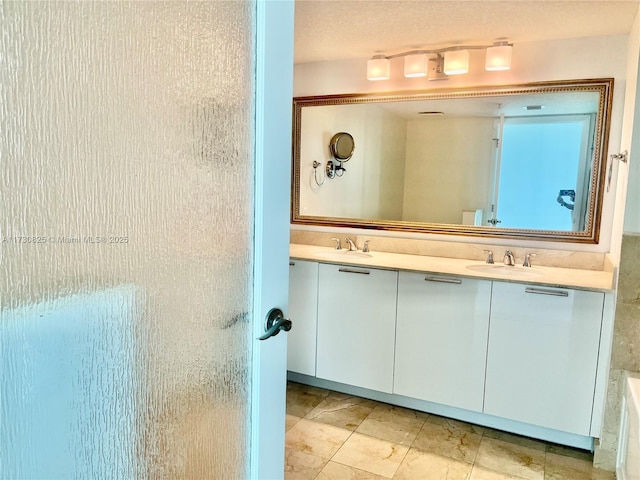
pixel 338 244
pixel 352 246
pixel 365 247
pixel 508 258
pixel 489 256
pixel 527 259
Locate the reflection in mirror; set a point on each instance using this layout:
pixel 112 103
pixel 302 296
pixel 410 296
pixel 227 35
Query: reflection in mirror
pixel 342 146
pixel 541 159
pixel 523 161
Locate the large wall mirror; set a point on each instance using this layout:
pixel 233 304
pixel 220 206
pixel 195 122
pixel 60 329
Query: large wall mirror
pixel 517 161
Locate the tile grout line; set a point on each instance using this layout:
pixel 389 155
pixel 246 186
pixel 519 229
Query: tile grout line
pixel 485 437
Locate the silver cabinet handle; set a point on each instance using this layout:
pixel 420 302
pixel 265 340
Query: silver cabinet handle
pixel 349 270
pixel 292 264
pixel 544 291
pixel 443 280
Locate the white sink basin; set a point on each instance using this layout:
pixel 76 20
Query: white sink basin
pixel 509 270
pixel 342 255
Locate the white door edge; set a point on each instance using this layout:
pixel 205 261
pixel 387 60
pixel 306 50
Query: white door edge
pixel 274 87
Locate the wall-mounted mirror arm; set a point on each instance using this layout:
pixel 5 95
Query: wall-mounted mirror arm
pixel 334 169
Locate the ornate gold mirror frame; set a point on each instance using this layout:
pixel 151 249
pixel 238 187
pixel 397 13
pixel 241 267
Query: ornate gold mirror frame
pixel 590 234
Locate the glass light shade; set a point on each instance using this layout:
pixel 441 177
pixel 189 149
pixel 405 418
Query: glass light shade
pixel 415 65
pixel 498 58
pixel 378 68
pixel 456 62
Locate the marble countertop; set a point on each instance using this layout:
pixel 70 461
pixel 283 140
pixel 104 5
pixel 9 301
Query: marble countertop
pixel 537 275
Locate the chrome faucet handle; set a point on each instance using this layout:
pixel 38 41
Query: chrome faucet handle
pixel 527 259
pixel 352 246
pixel 365 247
pixel 338 244
pixel 509 258
pixel 489 255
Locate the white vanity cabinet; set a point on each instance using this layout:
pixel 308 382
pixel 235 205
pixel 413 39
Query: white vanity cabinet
pixel 542 355
pixel 356 326
pixel 441 339
pixel 303 311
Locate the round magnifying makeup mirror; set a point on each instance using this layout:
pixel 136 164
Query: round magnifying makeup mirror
pixel 342 146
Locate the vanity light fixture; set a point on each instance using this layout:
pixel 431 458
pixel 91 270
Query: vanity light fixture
pixel 415 65
pixel 378 68
pixel 452 60
pixel 456 62
pixel 436 68
pixel 498 57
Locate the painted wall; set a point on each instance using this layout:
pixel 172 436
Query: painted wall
pixel 374 172
pixel 384 177
pixel 631 133
pixel 446 172
pixel 425 170
pixel 625 342
pixel 632 213
pixel 532 61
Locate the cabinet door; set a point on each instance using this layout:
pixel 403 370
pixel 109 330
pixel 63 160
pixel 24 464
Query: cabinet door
pixel 441 339
pixel 542 356
pixel 303 310
pixel 356 326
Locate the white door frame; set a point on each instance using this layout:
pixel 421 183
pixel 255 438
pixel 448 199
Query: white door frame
pixel 274 90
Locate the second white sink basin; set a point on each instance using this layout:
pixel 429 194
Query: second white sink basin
pixel 510 270
pixel 342 255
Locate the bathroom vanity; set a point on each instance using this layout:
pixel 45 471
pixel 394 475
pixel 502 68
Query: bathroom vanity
pixel 513 348
pixel 521 349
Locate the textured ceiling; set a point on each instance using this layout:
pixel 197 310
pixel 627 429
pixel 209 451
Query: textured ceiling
pixel 333 30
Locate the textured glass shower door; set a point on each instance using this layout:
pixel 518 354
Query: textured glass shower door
pixel 127 222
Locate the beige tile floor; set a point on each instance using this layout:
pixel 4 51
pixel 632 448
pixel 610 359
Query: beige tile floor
pixel 334 436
